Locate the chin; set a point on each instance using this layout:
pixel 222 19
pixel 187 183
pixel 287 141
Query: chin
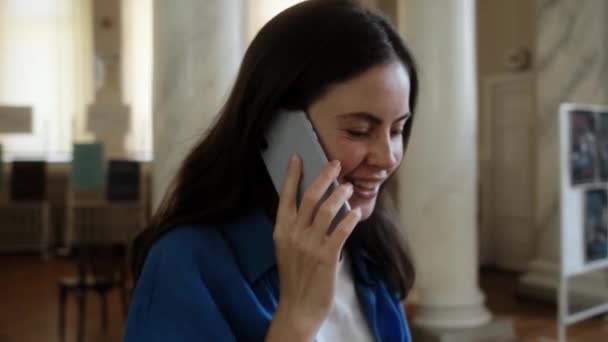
pixel 367 207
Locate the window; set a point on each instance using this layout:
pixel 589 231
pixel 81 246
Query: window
pixel 44 65
pixel 47 63
pixel 137 75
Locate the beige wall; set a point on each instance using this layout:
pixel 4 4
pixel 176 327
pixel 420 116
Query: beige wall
pixel 388 7
pixel 502 26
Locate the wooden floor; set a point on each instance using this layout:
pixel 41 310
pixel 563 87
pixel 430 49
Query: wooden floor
pixel 29 303
pixel 28 306
pixel 534 321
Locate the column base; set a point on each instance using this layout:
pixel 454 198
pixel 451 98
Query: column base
pixel 452 316
pixel 541 282
pixel 499 329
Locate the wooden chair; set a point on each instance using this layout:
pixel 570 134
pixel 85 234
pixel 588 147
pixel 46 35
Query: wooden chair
pixel 101 268
pixel 101 218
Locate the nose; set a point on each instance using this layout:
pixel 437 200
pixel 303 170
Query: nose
pixel 384 153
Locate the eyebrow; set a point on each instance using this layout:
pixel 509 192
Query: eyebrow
pixel 370 117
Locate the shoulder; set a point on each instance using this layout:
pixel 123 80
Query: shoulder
pixel 242 245
pixel 181 260
pixel 185 244
pixel 172 299
pixel 186 236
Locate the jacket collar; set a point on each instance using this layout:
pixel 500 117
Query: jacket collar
pixel 250 238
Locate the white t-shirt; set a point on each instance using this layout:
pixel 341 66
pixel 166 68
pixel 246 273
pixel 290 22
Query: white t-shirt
pixel 346 321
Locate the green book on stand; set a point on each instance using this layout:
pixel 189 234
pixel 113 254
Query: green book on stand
pixel 88 167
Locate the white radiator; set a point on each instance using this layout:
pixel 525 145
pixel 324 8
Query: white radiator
pixel 25 227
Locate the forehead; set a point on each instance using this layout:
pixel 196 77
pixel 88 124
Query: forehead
pixel 382 90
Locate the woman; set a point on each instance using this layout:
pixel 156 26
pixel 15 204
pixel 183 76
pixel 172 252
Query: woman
pixel 227 259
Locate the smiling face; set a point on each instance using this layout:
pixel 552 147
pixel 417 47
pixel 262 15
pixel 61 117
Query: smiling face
pixel 360 123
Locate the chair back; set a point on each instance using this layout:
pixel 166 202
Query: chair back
pixel 28 181
pixel 124 179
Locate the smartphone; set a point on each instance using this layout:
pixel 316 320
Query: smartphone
pixel 291 133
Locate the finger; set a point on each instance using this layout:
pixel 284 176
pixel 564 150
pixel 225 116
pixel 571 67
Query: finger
pixel 316 191
pixel 287 198
pixel 336 240
pixel 330 207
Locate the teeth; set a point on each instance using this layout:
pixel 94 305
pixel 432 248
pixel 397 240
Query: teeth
pixel 365 185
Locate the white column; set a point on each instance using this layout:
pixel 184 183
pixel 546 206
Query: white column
pixel 438 184
pixel 259 12
pixel 198 46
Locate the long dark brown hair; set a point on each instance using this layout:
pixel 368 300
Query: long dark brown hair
pixel 291 62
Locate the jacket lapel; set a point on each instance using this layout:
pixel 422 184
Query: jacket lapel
pixel 365 286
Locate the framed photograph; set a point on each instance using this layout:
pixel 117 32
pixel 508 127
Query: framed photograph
pixel 602 145
pixel 596 225
pixel 583 147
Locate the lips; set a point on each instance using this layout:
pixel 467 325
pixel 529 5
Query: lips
pixel 365 188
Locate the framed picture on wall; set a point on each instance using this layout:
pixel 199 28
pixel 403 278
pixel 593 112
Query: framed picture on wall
pixel 583 147
pixel 595 224
pixel 602 145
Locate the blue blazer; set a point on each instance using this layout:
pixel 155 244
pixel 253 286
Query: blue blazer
pixel 220 283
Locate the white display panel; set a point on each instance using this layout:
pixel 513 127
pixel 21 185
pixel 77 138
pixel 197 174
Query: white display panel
pixel 584 187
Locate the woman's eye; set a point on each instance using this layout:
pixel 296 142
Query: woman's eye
pixel 397 132
pixel 357 134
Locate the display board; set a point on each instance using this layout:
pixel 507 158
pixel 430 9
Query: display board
pixel 584 187
pixel 583 132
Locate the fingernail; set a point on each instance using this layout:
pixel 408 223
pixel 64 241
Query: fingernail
pixel 349 188
pixel 293 159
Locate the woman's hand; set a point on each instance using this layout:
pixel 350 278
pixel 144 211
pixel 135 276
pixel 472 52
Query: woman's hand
pixel 307 257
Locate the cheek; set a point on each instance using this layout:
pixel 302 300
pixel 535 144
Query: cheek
pixel 398 155
pixel 350 154
pixel 397 152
